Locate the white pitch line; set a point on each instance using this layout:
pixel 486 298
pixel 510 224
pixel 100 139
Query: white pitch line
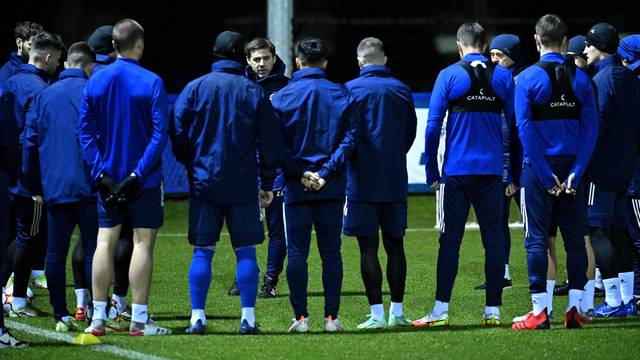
pixel 468 226
pixel 111 349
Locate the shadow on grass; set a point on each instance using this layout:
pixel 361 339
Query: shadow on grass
pixel 344 293
pixel 212 331
pixel 170 317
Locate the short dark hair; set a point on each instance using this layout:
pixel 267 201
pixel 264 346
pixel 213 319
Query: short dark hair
pixel 551 30
pixel 472 34
pixel 26 29
pixel 311 51
pixel 126 33
pixel 259 43
pixel 80 55
pixel 371 50
pixel 47 41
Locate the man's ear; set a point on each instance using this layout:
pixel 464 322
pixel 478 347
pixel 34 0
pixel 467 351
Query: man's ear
pixel 298 64
pixel 19 43
pixel 536 38
pixel 360 62
pixel 324 64
pixel 66 65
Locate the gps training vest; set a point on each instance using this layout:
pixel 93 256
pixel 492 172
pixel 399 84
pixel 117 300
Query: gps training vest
pixel 563 103
pixel 480 97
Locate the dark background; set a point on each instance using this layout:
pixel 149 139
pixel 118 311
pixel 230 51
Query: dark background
pixel 180 34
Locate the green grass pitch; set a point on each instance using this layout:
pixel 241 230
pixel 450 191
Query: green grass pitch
pixel 465 339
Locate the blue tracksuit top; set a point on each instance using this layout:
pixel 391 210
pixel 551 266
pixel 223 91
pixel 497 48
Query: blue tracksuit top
pixel 320 130
pixel 11 67
pixel 377 172
pixel 101 62
pixel 51 135
pixel 270 85
pixel 220 121
pixel 473 139
pixel 15 99
pixel 554 137
pixel 634 188
pixel 123 124
pixel 511 147
pixel 611 167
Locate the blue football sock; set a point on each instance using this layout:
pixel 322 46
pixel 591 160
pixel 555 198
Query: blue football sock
pixel 247 274
pixel 200 276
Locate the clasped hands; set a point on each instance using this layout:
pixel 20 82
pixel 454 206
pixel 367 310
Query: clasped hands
pixel 312 181
pixel 560 188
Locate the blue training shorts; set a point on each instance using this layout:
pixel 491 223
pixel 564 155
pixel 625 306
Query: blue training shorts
pixel 145 210
pixel 364 218
pixel 244 222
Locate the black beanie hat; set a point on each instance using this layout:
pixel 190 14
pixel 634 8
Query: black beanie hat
pixel 230 45
pixel 101 40
pixel 604 37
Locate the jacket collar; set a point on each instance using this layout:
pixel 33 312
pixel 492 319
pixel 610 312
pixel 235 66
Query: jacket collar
pixel 309 73
pixel 17 59
pixel 104 59
pixel 31 69
pixel 227 66
pixel 553 57
pixel 474 57
pixel 375 70
pixel 73 73
pixel 127 60
pixel 606 62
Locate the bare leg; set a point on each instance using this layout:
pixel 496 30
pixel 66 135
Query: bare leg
pixel 141 264
pixel 591 259
pixel 102 268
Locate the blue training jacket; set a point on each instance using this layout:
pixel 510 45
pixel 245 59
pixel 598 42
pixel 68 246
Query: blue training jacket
pixel 473 139
pixel 15 99
pixel 220 121
pixel 377 172
pixel 557 137
pixel 124 120
pixel 52 158
pixel 270 85
pixel 320 130
pixel 611 168
pixel 101 62
pixel 634 188
pixel 11 67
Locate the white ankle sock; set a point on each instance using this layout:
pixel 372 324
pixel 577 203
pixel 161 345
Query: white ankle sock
pixel 612 291
pixel 598 279
pixel 550 285
pixel 100 310
pixel 626 286
pixel 492 310
pixel 198 314
pixel 248 313
pixel 575 298
pixel 82 297
pixel 18 302
pixel 506 272
pixel 440 308
pixel 377 312
pixel 587 296
pixel 539 302
pixel 121 301
pixel 396 309
pixel 140 313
